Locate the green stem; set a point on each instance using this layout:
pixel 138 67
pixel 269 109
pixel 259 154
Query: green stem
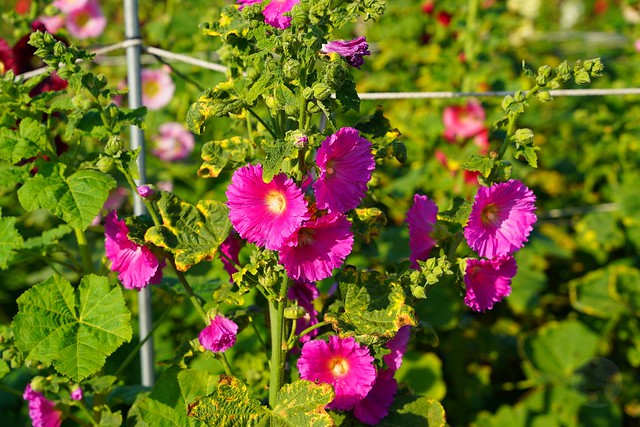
pixel 276 314
pixel 80 422
pixel 85 411
pixel 85 253
pixel 305 332
pixel 255 329
pixel 454 246
pixel 10 390
pixel 225 363
pixel 266 126
pixel 147 203
pixel 192 296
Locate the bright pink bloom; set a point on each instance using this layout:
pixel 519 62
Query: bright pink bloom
pixel 41 410
pixel 352 50
pixel 421 221
pixel 501 219
pixel 220 335
pixel 67 6
pixel 146 191
pixel 488 281
pixel 157 88
pixel 275 10
pixel 345 161
pixel 86 21
pixel 174 142
pixel 462 122
pixel 375 406
pixel 305 293
pixel 230 248
pixel 265 213
pixel 136 265
pixel 341 362
pixel 76 393
pixel 53 23
pixel 398 347
pixel 316 248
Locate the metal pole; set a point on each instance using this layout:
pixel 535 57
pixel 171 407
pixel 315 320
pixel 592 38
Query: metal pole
pixel 132 32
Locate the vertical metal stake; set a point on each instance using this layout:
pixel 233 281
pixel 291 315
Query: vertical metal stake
pixel 132 32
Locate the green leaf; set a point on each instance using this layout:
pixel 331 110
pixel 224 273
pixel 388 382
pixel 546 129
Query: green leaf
pixel 415 411
pixel 217 155
pixel 48 237
pixel 191 233
pixel 276 153
pixel 76 199
pixel 219 101
pixel 31 140
pixel 593 294
pixel 477 163
pixel 458 213
pixel 73 329
pixel 373 307
pixel 108 418
pixel 10 240
pixel 302 403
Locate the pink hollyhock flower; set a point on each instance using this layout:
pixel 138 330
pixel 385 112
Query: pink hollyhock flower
pixel 502 216
pixel 265 213
pixel 53 23
pixel 421 221
pixel 41 410
pixel 220 335
pixel 67 6
pixel 305 293
pixel 157 88
pixel 136 265
pixel 462 122
pixel 352 50
pixel 341 362
pixel 398 347
pixel 375 406
pixel 345 161
pixel 7 61
pixel 76 393
pixel 315 249
pixel 146 191
pixel 230 248
pixel 275 10
pixel 86 21
pixel 174 142
pixel 488 281
pixel 243 3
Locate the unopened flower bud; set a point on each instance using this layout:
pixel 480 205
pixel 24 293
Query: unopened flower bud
pixel 294 312
pixel 59 49
pixel 291 69
pixel 271 102
pixel 321 90
pixel 76 392
pixel 146 191
pixel 38 384
pixel 115 144
pixel 106 164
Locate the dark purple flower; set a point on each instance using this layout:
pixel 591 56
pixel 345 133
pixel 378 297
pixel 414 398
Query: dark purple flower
pixel 352 50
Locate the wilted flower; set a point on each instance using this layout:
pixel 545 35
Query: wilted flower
pixel 502 216
pixel 174 142
pixel 317 247
pixel 462 122
pixel 421 221
pixel 157 88
pixel 86 21
pixel 136 265
pixel 265 213
pixel 275 10
pixel 346 161
pixel 220 335
pixel 41 410
pixel 341 362
pixel 352 50
pixel 375 406
pixel 488 281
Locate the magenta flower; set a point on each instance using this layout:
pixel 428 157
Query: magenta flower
pixel 220 335
pixel 375 406
pixel 243 3
pixel 501 219
pixel 136 265
pixel 462 122
pixel 265 213
pixel 352 50
pixel 341 362
pixel 157 88
pixel 146 191
pixel 488 281
pixel 275 10
pixel 398 347
pixel 421 221
pixel 316 248
pixel 86 21
pixel 7 61
pixel 345 161
pixel 230 251
pixel 67 6
pixel 53 23
pixel 174 142
pixel 76 393
pixel 41 410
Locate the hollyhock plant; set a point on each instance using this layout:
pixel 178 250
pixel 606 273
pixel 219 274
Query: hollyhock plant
pixel 315 249
pixel 220 335
pixel 346 161
pixel 488 281
pixel 502 216
pixel 462 122
pixel 265 213
pixel 136 265
pixel 41 410
pixel 352 50
pixel 173 142
pixel 421 221
pixel 157 88
pixel 275 10
pixel 341 362
pixel 86 21
pixel 375 406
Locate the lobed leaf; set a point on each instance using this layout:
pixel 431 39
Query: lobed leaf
pixel 10 240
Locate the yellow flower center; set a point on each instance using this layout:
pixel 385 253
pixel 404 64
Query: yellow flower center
pixel 82 19
pixel 339 366
pixel 276 202
pixel 151 88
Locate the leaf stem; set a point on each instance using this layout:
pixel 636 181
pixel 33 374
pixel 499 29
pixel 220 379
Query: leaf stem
pixel 305 332
pixel 85 254
pixel 10 390
pixel 147 203
pixel 263 123
pixel 225 363
pixel 192 296
pixel 276 314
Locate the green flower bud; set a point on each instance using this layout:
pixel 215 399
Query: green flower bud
pixel 307 92
pixel 294 312
pixel 291 69
pixel 582 76
pixel 291 109
pixel 312 107
pixel 271 102
pixel 519 96
pixel 114 146
pixel 59 49
pixel 564 71
pixel 544 96
pixel 38 384
pixel 106 164
pixel 321 90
